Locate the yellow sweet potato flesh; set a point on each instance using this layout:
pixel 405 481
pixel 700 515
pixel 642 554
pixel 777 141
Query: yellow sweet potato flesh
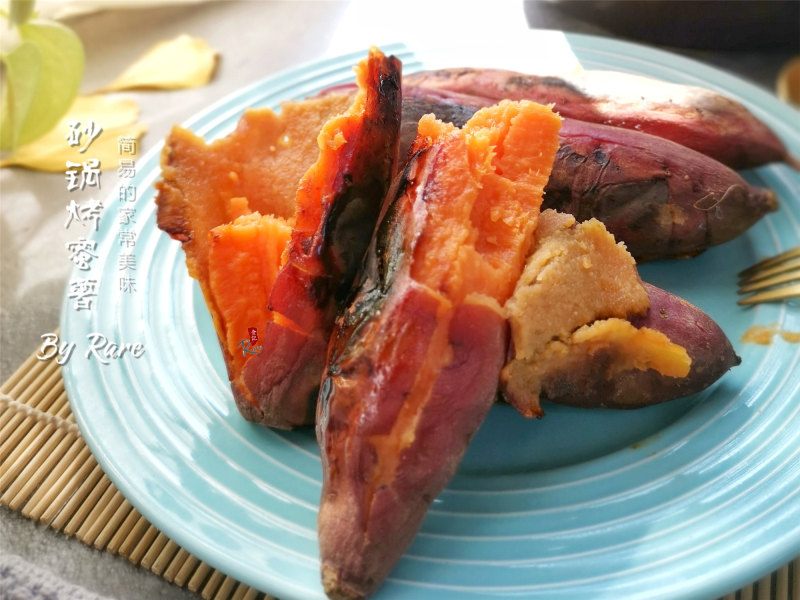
pixel 570 306
pixel 615 342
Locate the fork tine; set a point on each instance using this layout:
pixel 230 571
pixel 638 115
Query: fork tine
pixel 768 273
pixel 782 293
pixel 745 287
pixel 772 261
pixel 786 267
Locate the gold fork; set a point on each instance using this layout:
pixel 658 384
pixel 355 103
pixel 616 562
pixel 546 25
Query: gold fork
pixel 769 273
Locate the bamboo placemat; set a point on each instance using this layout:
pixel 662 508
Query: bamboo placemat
pixel 48 474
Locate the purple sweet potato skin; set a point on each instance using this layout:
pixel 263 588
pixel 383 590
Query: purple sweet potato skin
pixel 284 380
pixel 662 199
pixel 362 537
pixel 694 117
pixel 591 386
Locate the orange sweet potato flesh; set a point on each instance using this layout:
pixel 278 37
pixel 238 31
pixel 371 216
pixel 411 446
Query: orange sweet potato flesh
pixel 414 360
pixel 261 162
pixel 255 169
pixel 274 220
pixel 243 263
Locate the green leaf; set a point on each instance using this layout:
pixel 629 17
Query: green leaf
pixel 23 67
pixel 60 75
pixel 20 11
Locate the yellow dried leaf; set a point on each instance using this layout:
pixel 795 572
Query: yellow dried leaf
pixel 183 62
pixel 116 117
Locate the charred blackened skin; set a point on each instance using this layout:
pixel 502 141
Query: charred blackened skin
pixel 600 157
pixel 386 254
pixel 343 231
pixel 389 239
pixel 559 88
pixel 355 210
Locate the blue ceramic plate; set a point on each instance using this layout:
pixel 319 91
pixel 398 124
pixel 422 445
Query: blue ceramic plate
pixel 693 498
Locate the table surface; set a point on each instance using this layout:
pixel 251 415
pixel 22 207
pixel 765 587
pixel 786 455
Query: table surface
pixel 254 39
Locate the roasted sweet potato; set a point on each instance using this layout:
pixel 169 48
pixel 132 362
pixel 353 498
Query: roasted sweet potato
pixel 709 348
pixel 587 332
pixel 205 188
pixel 660 198
pixel 338 204
pixel 414 361
pixel 691 116
pixel 275 220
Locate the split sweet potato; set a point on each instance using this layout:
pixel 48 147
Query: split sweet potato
pixel 338 203
pixel 587 332
pixel 274 220
pixel 207 192
pixel 660 198
pixel 447 302
pixel 694 117
pixel 414 361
